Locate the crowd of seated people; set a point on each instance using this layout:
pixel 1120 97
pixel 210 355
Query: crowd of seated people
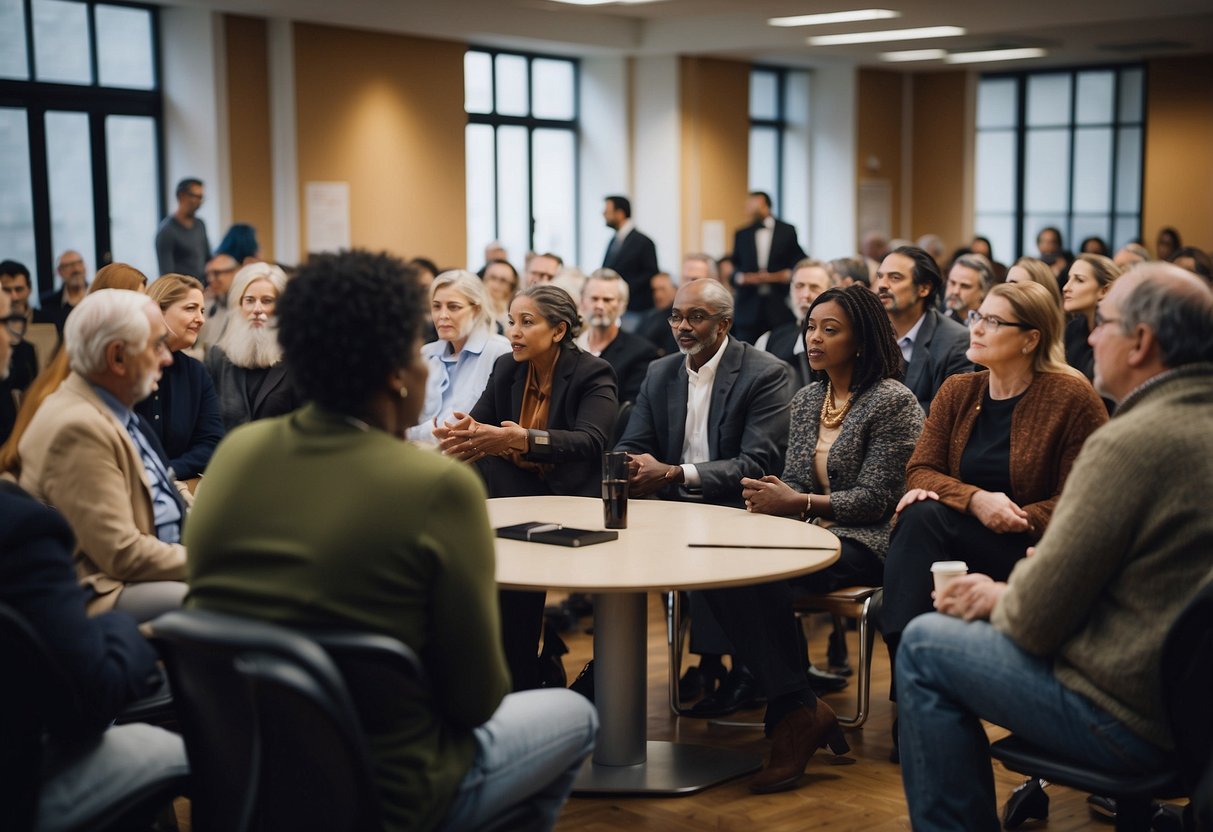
pixel 860 413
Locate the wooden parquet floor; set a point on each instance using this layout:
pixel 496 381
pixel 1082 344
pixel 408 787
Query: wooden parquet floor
pixel 863 793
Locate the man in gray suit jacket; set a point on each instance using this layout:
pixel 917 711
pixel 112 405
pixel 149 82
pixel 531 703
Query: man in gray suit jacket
pixel 933 346
pixel 707 416
pixel 710 415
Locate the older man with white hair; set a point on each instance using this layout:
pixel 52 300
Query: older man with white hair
pixel 246 365
pixel 88 454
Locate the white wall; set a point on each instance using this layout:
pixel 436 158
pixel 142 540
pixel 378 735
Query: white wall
pixel 832 202
pixel 797 157
pixel 657 159
pixel 195 113
pixel 605 162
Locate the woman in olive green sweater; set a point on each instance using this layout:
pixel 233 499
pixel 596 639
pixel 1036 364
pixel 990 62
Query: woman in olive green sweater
pixel 325 518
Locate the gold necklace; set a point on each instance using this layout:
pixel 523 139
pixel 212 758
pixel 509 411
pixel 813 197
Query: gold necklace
pixel 831 417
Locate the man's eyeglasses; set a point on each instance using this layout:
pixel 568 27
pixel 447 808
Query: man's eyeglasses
pixel 696 318
pixel 994 324
pixel 1100 320
pixel 16 324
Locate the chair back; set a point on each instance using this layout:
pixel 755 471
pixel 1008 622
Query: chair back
pixel 36 691
pixel 1187 683
pixel 275 739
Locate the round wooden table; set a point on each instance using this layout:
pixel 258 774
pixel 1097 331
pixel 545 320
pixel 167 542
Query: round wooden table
pixel 667 546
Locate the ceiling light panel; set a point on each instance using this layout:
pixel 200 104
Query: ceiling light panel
pixel 886 35
pixel 853 16
pixel 914 55
pixel 994 55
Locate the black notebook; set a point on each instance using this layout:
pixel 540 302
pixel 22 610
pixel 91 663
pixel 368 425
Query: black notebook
pixel 555 534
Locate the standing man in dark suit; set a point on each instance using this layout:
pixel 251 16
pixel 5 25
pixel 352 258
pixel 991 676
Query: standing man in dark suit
pixel 932 345
pixel 603 299
pixel 630 253
pixel 764 253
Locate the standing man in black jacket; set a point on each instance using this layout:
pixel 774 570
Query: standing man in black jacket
pixel 764 253
pixel 630 253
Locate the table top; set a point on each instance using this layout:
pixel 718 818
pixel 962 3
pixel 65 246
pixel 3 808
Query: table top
pixel 652 554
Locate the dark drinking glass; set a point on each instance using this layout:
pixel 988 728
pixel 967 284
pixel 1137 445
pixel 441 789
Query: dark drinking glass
pixel 615 490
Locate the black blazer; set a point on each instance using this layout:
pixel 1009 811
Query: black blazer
pixel 581 420
pixel 747 419
pixel 654 327
pixel 275 397
pixel 636 261
pixel 109 662
pixel 782 344
pixel 759 308
pixel 629 355
pixel 52 310
pixel 184 415
pixel 939 352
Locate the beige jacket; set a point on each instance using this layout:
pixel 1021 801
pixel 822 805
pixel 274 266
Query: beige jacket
pixel 78 458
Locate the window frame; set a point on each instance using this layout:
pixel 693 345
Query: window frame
pixel 779 125
pixel 1071 126
pixel 97 102
pixel 532 123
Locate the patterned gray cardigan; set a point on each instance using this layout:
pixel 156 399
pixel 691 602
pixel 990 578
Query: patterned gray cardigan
pixel 867 463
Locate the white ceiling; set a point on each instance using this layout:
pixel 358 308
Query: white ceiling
pixel 1073 31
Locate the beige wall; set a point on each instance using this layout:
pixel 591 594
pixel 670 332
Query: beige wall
pixel 939 194
pixel 385 114
pixel 878 137
pixel 1178 183
pixel 715 129
pixel 248 134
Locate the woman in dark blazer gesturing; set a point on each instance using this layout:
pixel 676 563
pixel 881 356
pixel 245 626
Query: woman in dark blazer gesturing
pixel 539 428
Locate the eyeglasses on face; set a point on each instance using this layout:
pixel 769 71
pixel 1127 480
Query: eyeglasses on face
pixel 994 324
pixel 695 318
pixel 1100 320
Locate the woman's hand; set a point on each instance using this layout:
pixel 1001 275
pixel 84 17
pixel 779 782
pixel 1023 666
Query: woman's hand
pixel 915 495
pixel 466 439
pixel 970 597
pixel 998 513
pixel 771 495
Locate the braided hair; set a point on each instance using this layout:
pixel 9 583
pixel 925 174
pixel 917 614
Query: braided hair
pixel 879 356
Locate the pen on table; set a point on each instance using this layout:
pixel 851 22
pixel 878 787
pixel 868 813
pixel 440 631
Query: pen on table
pixel 750 546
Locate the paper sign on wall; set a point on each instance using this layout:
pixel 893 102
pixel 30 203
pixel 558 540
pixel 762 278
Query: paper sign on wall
pixel 328 215
pixel 712 240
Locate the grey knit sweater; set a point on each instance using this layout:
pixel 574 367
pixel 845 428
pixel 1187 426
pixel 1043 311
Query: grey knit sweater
pixel 867 463
pixel 1129 545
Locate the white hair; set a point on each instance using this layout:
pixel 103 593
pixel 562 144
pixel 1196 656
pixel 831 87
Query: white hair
pixel 473 291
pixel 250 273
pixel 103 317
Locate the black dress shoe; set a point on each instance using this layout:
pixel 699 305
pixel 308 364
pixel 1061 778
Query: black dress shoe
pixel 738 690
pixel 823 683
pixel 690 686
pixel 584 683
pixel 1028 802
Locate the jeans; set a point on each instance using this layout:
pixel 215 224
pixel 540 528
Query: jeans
pixel 951 674
pixel 528 753
pixel 86 780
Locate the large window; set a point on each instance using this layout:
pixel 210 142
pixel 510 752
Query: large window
pixel 768 122
pixel 521 154
pixel 1063 149
pixel 80 126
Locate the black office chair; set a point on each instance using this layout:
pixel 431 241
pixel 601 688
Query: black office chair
pixel 274 720
pixel 1187 683
pixel 37 692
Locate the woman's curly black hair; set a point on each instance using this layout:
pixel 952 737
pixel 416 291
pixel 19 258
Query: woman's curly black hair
pixel 879 356
pixel 345 322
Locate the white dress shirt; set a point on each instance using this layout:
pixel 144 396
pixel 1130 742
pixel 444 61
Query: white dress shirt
pixel 762 242
pixel 699 401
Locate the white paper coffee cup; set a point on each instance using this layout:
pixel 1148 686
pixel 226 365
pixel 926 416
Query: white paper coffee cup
pixel 945 570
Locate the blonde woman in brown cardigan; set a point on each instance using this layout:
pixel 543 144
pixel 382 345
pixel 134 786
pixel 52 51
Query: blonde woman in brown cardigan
pixel 994 453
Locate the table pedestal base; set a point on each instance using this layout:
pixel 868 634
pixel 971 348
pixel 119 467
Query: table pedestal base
pixel 669 768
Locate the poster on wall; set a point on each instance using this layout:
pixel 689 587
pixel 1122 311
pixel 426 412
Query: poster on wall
pixel 328 216
pixel 875 207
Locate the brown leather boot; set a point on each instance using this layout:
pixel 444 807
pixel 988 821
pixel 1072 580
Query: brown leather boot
pixel 793 742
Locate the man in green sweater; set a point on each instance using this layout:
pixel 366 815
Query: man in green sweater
pixel 1067 653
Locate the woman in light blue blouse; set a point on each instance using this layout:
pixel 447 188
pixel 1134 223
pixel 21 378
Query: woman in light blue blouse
pixel 461 360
